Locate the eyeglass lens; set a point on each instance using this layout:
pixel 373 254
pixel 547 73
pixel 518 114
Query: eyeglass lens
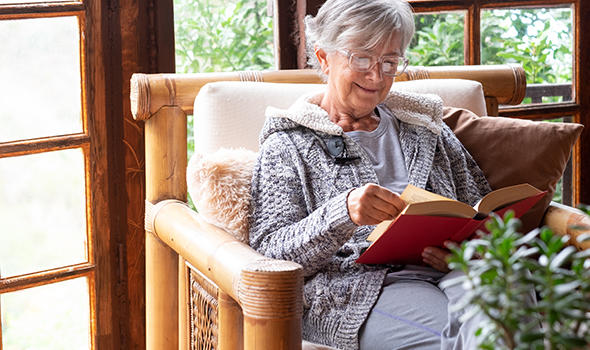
pixel 389 64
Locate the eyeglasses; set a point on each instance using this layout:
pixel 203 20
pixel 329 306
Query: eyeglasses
pixel 390 65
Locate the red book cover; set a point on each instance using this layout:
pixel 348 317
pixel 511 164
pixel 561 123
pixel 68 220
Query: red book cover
pixel 408 235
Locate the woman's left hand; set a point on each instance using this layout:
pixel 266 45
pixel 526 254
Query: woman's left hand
pixel 437 257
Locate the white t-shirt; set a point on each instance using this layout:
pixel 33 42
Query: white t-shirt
pixel 384 150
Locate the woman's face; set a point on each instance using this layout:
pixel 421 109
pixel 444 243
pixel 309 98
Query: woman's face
pixel 357 93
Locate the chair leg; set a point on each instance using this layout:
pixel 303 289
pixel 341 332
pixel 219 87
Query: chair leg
pixel 230 323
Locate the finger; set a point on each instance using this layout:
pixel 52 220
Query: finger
pixel 436 257
pixel 363 214
pixel 384 209
pixel 441 254
pixel 372 217
pixel 435 263
pixel 384 199
pixel 429 256
pixel 365 202
pixel 390 197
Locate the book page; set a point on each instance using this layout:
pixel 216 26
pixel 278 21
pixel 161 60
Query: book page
pixel 423 202
pixel 441 208
pixel 504 196
pixel 413 194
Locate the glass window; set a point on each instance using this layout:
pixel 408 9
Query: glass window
pixel 29 1
pixel 40 93
pixel 42 211
pixel 539 39
pixel 216 35
pixel 53 316
pixel 438 40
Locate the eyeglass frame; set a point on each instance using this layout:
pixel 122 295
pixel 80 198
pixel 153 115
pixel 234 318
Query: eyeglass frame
pixel 401 59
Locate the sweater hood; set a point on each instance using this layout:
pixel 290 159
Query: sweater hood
pixel 412 108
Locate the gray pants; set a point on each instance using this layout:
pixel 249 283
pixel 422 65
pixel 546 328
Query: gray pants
pixel 412 313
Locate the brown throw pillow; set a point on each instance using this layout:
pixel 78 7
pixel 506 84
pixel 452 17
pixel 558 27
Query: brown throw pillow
pixel 512 151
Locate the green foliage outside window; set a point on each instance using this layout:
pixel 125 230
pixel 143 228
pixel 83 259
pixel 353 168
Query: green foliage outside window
pixel 217 35
pixel 438 40
pixel 538 39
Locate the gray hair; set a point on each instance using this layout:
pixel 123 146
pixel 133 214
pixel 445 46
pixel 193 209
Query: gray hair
pixel 357 24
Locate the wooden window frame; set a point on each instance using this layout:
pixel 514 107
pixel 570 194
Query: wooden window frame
pixel 100 269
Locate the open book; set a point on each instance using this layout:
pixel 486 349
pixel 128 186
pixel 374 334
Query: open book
pixel 430 219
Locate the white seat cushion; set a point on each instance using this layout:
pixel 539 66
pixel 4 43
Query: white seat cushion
pixel 231 114
pixel 459 93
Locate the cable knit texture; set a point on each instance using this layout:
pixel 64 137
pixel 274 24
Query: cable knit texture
pixel 299 210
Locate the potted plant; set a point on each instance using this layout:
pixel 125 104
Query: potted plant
pixel 503 267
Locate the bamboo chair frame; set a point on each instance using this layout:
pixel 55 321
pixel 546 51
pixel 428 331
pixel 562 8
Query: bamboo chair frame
pixel 248 301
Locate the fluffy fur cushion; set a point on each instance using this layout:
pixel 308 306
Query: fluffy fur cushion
pixel 219 185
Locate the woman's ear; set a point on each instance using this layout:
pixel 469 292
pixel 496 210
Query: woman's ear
pixel 322 58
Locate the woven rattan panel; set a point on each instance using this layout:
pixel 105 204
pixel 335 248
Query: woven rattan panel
pixel 203 312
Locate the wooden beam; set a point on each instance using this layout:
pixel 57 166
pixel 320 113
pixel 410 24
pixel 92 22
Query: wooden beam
pixel 582 88
pixel 288 33
pixel 102 58
pixel 32 10
pixel 46 144
pixel 472 38
pixel 146 44
pixel 37 279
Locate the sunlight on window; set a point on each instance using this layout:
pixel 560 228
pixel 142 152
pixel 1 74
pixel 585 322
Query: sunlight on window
pixel 538 39
pixel 40 93
pixel 42 211
pixel 29 1
pixel 53 316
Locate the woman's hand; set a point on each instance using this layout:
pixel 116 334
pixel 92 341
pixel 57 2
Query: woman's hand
pixel 371 204
pixel 437 257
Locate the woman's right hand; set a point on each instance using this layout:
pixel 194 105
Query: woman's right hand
pixel 371 204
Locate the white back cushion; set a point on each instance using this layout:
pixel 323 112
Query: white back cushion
pixel 231 114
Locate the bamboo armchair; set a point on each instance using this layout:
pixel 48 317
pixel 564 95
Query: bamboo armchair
pixel 206 290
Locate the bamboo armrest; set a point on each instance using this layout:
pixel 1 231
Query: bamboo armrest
pixel 566 220
pixel 259 284
pixel 505 84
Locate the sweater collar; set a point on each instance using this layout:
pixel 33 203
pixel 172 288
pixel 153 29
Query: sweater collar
pixel 412 108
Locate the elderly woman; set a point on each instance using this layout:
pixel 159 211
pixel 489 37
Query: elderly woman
pixel 332 165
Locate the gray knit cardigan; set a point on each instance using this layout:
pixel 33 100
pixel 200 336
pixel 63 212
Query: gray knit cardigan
pixel 299 210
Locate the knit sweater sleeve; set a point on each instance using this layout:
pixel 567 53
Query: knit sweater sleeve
pixel 283 223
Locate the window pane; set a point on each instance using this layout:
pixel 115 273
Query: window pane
pixel 222 35
pixel 539 39
pixel 42 212
pixel 438 40
pixel 54 316
pixel 40 70
pixel 28 1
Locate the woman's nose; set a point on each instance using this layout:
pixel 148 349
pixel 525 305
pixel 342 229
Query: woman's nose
pixel 375 73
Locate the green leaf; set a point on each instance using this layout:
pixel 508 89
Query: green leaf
pixel 562 257
pixel 566 288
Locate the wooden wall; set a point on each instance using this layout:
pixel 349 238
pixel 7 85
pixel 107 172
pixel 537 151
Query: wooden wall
pixel 140 38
